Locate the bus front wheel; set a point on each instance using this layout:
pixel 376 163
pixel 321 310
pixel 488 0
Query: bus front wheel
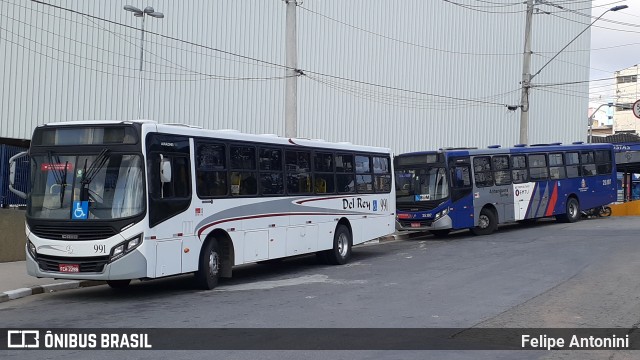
pixel 341 251
pixel 487 222
pixel 209 269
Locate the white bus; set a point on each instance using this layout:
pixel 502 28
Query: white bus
pixel 117 201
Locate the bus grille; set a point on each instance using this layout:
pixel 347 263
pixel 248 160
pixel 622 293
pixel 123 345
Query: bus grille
pixel 407 223
pixel 66 232
pixel 87 264
pixel 418 206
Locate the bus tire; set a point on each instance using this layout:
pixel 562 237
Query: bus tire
pixel 209 268
pixel 440 233
pixel 342 243
pixel 573 211
pixel 118 284
pixel 487 222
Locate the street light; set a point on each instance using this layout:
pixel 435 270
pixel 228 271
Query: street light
pixel 527 77
pixel 141 13
pixel 591 120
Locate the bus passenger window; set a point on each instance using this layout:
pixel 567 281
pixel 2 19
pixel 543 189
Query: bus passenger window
pixel 482 170
pixel 538 167
pixel 272 183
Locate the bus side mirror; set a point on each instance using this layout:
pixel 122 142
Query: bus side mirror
pixel 165 170
pixel 12 174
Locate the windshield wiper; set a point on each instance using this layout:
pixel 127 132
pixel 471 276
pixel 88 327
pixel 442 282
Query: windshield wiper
pixel 59 175
pixel 94 169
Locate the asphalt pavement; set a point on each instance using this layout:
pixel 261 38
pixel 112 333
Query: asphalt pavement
pixel 15 283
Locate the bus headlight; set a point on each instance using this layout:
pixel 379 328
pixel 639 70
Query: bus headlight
pixel 32 249
pixel 441 213
pixel 125 247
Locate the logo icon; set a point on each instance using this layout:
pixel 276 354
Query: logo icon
pixel 375 205
pixel 583 183
pixel 23 339
pixel 80 210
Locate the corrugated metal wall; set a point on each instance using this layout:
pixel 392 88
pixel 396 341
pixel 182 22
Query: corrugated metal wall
pixel 60 66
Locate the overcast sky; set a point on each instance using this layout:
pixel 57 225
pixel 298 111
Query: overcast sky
pixel 605 61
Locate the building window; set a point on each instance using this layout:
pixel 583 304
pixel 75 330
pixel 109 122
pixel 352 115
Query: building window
pixel 627 79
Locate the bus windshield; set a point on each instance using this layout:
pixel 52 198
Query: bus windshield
pixel 86 187
pixel 421 184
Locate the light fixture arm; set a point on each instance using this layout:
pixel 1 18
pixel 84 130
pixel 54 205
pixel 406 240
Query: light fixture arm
pixel 615 8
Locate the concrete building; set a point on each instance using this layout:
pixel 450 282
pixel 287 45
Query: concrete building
pixel 627 92
pixel 407 75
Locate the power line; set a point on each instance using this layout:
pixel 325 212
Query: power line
pixel 573 82
pixel 161 35
pixel 151 41
pixel 205 76
pixel 472 8
pixel 299 71
pixel 409 91
pixel 403 41
pixel 596 26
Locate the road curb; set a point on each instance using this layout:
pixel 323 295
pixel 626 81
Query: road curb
pixel 41 289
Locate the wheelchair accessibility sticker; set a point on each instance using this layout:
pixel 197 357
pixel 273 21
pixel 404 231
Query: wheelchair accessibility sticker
pixel 80 210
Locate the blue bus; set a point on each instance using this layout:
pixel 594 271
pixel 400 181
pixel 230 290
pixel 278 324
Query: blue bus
pixel 477 189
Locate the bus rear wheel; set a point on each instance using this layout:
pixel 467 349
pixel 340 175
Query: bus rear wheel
pixel 487 222
pixel 209 268
pixel 341 251
pixel 572 212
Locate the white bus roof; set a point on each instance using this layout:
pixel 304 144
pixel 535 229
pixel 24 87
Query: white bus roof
pixel 229 134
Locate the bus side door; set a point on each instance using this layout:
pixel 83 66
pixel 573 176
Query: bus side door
pixel 461 210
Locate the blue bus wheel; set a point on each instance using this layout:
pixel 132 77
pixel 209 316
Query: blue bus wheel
pixel 487 222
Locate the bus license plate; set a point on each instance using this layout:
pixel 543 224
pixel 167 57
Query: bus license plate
pixel 69 268
pixel 415 224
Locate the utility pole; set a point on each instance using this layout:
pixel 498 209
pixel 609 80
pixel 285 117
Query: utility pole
pixel 526 77
pixel 291 86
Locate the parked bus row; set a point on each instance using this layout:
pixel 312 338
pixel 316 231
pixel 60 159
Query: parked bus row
pixel 118 201
pixel 478 189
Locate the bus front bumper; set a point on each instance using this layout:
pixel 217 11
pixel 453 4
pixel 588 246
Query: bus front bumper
pixel 130 266
pixel 442 223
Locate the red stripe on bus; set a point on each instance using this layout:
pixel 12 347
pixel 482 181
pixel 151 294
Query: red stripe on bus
pixel 552 201
pixel 324 198
pixel 260 216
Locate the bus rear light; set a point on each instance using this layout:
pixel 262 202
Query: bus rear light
pixel 404 216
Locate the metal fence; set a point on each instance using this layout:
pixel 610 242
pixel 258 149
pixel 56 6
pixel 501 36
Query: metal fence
pixel 7 198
